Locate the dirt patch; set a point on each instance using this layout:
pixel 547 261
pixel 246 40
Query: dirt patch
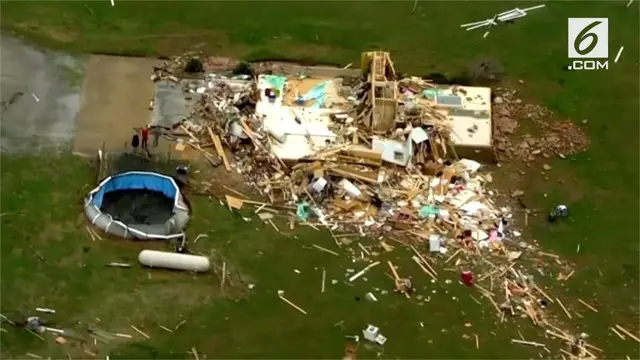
pixel 56 33
pixel 526 131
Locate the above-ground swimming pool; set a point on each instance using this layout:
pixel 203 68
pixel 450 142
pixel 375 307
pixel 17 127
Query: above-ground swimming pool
pixel 140 205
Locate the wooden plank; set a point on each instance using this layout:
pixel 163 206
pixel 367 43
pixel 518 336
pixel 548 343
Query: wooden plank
pixel 292 304
pixel 219 149
pixel 417 261
pixel 140 332
pixel 628 333
pixel 563 308
pixel 362 152
pixel 234 202
pixel 587 305
pixel 325 250
pixel 393 270
pixel 354 174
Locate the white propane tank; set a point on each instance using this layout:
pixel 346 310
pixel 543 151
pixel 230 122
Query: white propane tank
pixel 176 261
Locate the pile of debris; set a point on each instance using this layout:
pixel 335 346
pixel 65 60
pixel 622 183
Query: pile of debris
pixel 557 138
pixel 192 62
pixel 367 158
pixel 372 158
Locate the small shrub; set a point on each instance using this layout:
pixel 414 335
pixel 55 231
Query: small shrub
pixel 243 68
pixel 194 65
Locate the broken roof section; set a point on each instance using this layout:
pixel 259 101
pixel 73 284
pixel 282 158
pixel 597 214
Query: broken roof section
pixel 295 114
pixel 408 121
pixel 469 110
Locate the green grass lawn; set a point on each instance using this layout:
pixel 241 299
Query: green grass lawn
pixel 41 203
pixel 42 197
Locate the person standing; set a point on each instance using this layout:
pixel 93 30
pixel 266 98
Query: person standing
pixel 157 133
pixel 135 142
pixel 145 137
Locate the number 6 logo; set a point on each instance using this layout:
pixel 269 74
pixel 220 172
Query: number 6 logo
pixel 588 38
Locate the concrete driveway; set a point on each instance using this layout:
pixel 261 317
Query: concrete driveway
pixel 40 97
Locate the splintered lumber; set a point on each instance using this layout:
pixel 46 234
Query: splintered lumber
pixel 235 192
pixel 117 264
pixel 570 355
pixel 569 275
pixel 140 332
pixel 273 225
pixel 593 347
pixel 453 256
pixel 247 130
pixel 543 293
pixel 184 128
pixel 165 328
pixel 93 238
pixel 548 254
pixel 424 261
pixel 587 305
pixel 628 333
pixel 617 333
pixel 530 343
pixel 417 261
pixel 224 275
pixel 397 279
pixel 218 146
pixel 350 173
pixel 237 201
pixel 179 324
pixel 35 334
pixel 563 308
pixel 559 336
pixel 234 202
pixel 374 157
pixel 292 304
pixel 493 302
pixel 195 353
pixel 92 231
pixel 393 270
pixel 325 250
pixel 364 249
pixel 324 276
pixel 361 272
pixel 7 320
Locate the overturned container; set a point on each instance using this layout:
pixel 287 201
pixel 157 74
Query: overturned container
pixel 174 261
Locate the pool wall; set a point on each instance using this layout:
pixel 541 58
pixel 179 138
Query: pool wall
pixel 137 180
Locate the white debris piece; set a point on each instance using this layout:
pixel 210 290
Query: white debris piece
pixel 370 332
pixel 371 297
pixel 501 18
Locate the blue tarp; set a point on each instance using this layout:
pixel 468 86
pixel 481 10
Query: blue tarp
pixel 136 181
pixel 317 93
pixel 277 82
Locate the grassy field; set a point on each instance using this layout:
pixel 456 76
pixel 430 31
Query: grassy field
pixel 41 196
